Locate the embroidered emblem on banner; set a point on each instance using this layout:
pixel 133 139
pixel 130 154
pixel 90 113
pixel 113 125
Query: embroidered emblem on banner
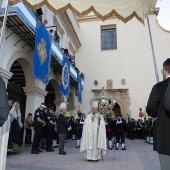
pixel 65 76
pixel 42 52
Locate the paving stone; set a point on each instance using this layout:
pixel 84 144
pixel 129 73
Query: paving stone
pixel 138 156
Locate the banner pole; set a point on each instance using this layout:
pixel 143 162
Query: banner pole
pixel 153 51
pixel 4 22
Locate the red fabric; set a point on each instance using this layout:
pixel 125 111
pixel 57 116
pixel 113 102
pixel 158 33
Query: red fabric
pixel 78 112
pixel 108 130
pixel 141 114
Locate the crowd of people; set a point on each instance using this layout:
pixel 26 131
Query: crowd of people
pixel 52 129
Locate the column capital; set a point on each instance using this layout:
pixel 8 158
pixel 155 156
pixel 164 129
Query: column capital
pixel 57 102
pixel 35 91
pixel 6 75
pixel 71 107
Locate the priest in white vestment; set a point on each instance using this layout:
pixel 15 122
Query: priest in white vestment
pixel 93 143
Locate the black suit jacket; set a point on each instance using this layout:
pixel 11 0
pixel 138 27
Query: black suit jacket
pixel 167 100
pixel 62 124
pixel 156 108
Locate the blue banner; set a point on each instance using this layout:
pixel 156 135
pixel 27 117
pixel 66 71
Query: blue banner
pixel 42 54
pixel 79 88
pixel 65 78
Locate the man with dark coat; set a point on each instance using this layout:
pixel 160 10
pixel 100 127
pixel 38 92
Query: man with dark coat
pixel 62 127
pixel 80 123
pixel 50 129
pixel 109 130
pixel 38 124
pixel 156 108
pixel 120 125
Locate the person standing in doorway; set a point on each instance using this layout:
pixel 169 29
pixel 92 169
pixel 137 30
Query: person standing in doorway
pixel 155 108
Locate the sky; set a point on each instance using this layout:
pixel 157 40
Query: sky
pixel 164 13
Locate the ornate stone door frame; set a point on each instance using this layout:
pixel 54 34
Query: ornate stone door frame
pixel 120 95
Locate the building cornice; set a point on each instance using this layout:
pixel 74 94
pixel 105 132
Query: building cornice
pixel 71 48
pixel 57 24
pixel 68 26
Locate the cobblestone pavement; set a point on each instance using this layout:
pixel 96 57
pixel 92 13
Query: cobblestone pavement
pixel 138 156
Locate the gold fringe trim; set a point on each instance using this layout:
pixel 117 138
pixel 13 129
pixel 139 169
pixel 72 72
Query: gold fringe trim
pixel 84 13
pixel 91 9
pixel 36 6
pixel 13 2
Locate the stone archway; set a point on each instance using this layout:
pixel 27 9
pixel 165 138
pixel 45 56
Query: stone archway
pixel 116 109
pixel 121 96
pixel 15 87
pixel 53 97
pixel 53 89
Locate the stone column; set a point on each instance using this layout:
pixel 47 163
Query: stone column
pixel 35 96
pixel 124 103
pixel 57 103
pixel 4 130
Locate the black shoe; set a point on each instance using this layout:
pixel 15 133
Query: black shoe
pixel 49 150
pixel 40 150
pixel 34 152
pixel 77 146
pixel 54 146
pixel 110 148
pixel 124 149
pixel 43 147
pixel 116 148
pixel 62 153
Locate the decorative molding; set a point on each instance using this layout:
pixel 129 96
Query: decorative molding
pixel 6 75
pixel 91 18
pixel 110 84
pixel 120 95
pixel 154 11
pixel 35 91
pixel 71 48
pixel 57 24
pixel 110 92
pixel 68 26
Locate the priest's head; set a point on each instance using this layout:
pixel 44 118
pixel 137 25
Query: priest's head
pixel 94 107
pixel 63 107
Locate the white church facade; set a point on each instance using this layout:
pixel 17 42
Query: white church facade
pixel 126 62
pixel 112 55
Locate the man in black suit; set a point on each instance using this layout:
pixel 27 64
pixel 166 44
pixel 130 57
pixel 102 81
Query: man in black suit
pixel 155 108
pixel 62 128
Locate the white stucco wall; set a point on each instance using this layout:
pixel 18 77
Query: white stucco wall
pixel 131 60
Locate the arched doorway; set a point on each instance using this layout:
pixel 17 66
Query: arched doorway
pixel 15 87
pixel 50 97
pixel 53 97
pixel 116 109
